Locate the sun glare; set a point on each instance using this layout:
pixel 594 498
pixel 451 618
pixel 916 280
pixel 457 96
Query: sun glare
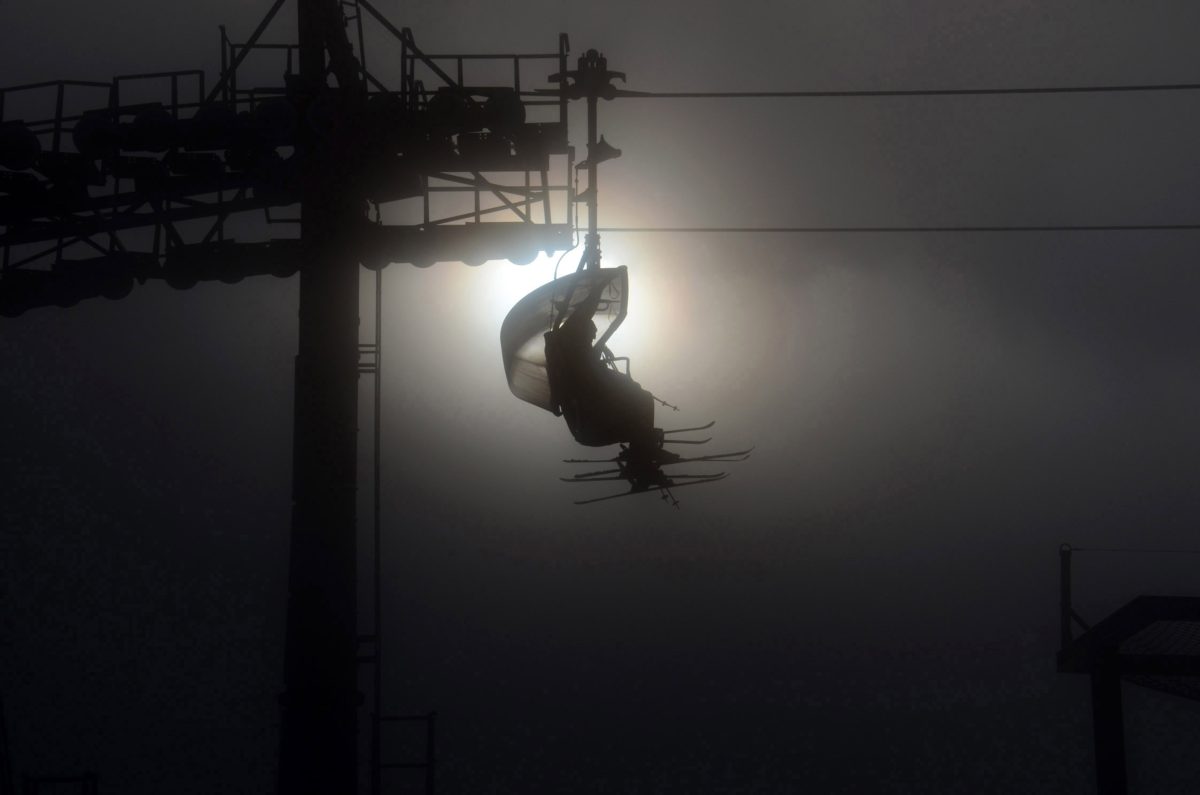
pixel 503 283
pixel 499 284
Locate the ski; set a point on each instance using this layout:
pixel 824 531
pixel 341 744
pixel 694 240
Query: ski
pixel 737 455
pixel 697 428
pixel 653 488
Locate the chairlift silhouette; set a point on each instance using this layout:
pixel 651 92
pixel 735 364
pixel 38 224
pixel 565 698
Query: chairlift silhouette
pixel 555 342
pixel 556 356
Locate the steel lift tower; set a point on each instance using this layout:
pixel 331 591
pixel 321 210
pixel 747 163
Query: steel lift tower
pixel 318 742
pixel 149 191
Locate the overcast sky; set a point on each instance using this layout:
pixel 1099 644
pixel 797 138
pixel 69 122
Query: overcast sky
pixel 867 605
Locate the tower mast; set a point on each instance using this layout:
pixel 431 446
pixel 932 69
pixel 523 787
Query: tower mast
pixel 318 744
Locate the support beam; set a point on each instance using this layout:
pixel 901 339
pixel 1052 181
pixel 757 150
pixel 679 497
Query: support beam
pixel 232 68
pixel 318 742
pixel 1108 725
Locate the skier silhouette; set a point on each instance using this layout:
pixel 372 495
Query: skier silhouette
pixel 601 405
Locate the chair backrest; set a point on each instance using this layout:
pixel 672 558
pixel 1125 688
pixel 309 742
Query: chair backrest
pixel 522 335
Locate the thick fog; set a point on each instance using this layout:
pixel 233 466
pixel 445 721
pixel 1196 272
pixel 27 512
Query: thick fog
pixel 869 604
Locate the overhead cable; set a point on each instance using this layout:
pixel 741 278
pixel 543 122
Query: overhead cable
pixel 1137 549
pixel 921 92
pixel 898 229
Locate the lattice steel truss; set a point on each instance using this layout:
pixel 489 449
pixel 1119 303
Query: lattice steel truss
pixel 100 192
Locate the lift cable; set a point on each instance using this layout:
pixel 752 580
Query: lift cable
pixel 935 92
pixel 905 93
pixel 1150 550
pixel 897 229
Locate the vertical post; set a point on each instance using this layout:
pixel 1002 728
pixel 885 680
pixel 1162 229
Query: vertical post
pixel 430 752
pixel 592 81
pixel 224 64
pixel 1108 725
pixel 6 780
pixel 58 115
pixel 592 240
pixel 318 737
pixel 362 43
pixel 1064 594
pixel 377 689
pixel 591 249
pixel 221 207
pixel 405 99
pixel 564 46
pixel 232 83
